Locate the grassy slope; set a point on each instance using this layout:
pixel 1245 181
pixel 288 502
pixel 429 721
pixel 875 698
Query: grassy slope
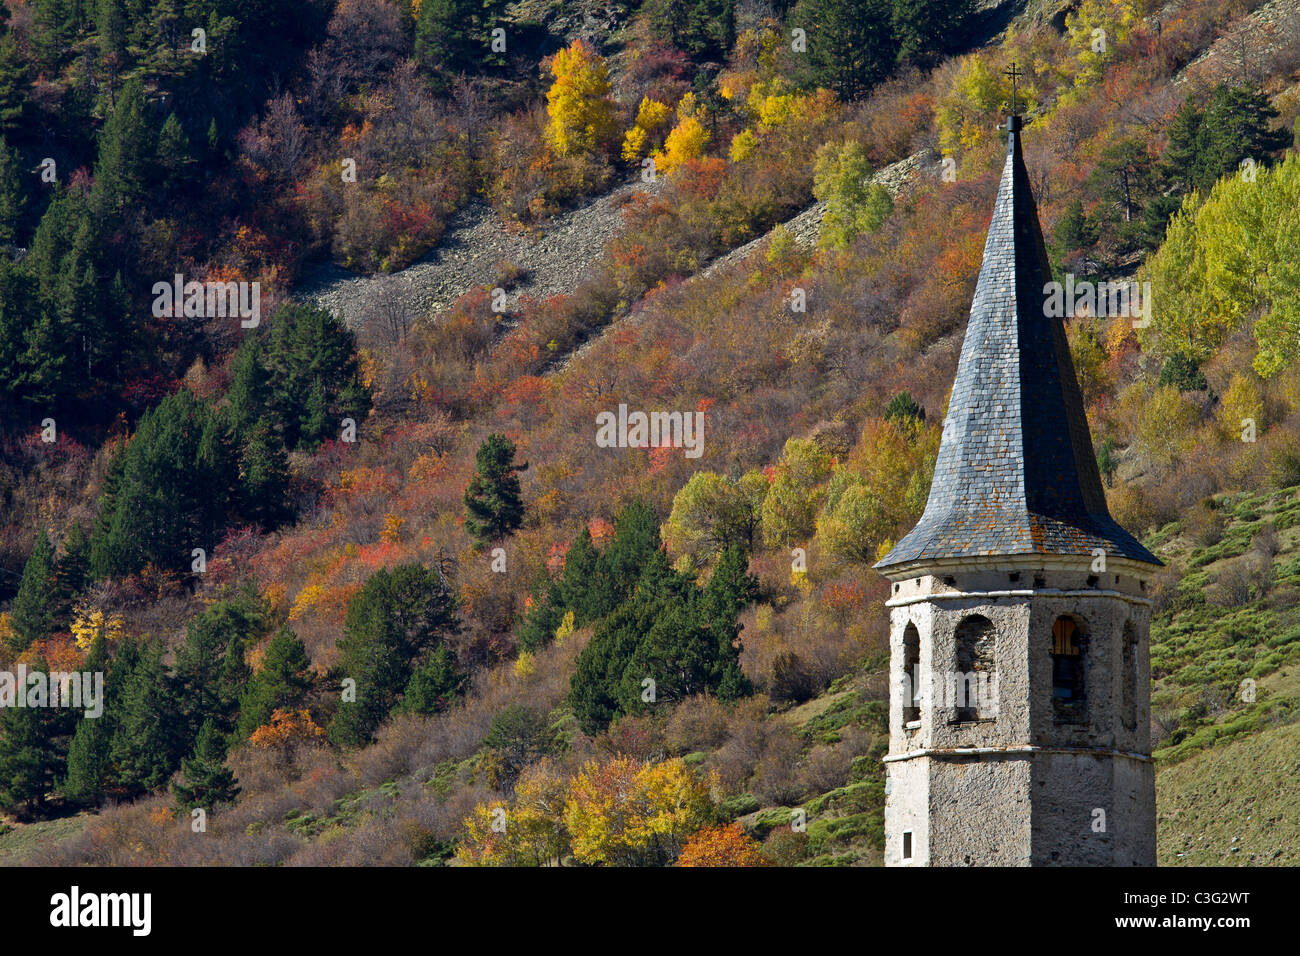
pixel 1228 778
pixel 24 842
pixel 1236 804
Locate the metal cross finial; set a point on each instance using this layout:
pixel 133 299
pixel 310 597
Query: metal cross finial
pixel 1013 73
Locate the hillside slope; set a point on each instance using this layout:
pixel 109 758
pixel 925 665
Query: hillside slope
pixel 1234 805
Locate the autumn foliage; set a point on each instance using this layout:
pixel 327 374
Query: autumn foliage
pixel 721 846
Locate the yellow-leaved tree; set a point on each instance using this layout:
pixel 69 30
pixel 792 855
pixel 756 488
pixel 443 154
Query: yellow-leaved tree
pixel 1166 426
pixel 627 812
pixel 1241 413
pixel 964 111
pixel 1094 30
pixel 651 117
pixel 90 622
pixel 685 141
pixel 795 496
pixel 712 512
pixel 582 110
pixel 881 489
pixel 528 832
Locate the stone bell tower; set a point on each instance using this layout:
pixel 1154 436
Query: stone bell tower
pixel 1020 685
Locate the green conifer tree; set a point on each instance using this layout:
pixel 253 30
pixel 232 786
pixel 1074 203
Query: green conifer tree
pixel 282 682
pixel 434 684
pixel 33 750
pixel 14 84
pixel 33 606
pixel 148 732
pixel 493 499
pixel 206 780
pixel 12 198
pixel 394 620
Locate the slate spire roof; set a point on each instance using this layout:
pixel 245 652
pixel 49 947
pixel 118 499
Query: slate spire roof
pixel 1016 473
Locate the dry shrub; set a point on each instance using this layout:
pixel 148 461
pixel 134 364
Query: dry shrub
pixel 1234 582
pixel 1265 543
pixel 1204 525
pixel 803 649
pixel 697 723
pixel 776 779
pixel 634 736
pixel 736 759
pixel 825 768
pixel 1164 587
pixel 261 769
pixel 1141 507
pixel 785 847
pixel 378 841
pixel 792 680
pixel 460 731
pixel 395 750
pixel 144 833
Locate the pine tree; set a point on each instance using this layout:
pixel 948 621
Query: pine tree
pixel 208 782
pixel 249 395
pixel 518 738
pixel 904 409
pixel 52 29
pixel 1182 153
pixel 397 616
pixel 583 586
pixel 282 682
pixel 102 555
pixel 596 691
pixel 29 761
pixel 89 764
pixel 65 308
pixel 125 147
pixel 211 675
pixel 926 29
pixel 1237 125
pixel 173 493
pixel 33 606
pixel 315 420
pixel 173 150
pixel 636 539
pixel 851 45
pixel 1074 231
pixel 667 630
pixel 316 381
pixel 89 769
pixel 147 729
pixel 15 312
pixel 452 36
pixel 71 572
pixel 264 472
pixel 14 84
pixel 165 30
pixel 434 683
pixel 706 29
pixel 33 748
pixel 12 199
pixel 493 500
pixel 731 587
pixel 110 21
pixel 541 621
